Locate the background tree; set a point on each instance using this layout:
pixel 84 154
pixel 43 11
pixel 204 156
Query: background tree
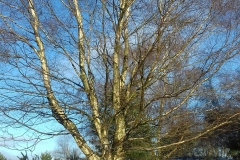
pixel 224 103
pixel 2 157
pixel 220 103
pixel 65 149
pixel 73 155
pixel 46 156
pixel 114 67
pixel 24 156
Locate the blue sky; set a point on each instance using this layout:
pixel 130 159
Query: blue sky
pixel 47 145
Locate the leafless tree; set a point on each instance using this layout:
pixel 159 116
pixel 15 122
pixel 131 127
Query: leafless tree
pixel 63 147
pixel 87 65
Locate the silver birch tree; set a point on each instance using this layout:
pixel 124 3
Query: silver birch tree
pixel 88 65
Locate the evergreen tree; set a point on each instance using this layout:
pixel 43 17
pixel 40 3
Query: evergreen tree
pixel 46 156
pixel 2 157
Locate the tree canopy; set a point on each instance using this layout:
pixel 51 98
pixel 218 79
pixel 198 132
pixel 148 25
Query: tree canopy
pixel 122 77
